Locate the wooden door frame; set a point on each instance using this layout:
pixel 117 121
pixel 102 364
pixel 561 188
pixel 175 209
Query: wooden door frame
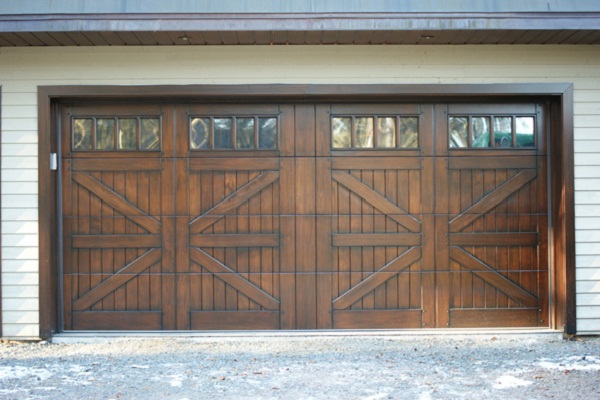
pixel 559 121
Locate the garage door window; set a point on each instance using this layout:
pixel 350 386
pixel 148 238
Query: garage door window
pixel 121 134
pixel 233 133
pixel 374 132
pixel 491 131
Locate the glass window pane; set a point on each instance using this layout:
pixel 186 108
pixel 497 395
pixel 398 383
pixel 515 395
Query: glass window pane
pixel 481 132
pixel 409 132
pixel 127 134
pixel 503 131
pixel 364 132
pixel 341 132
pixel 105 134
pixel 150 134
pixel 199 133
pixel 267 133
pixel 223 133
pixel 244 133
pixel 525 131
pixel 459 131
pixel 82 133
pixel 386 132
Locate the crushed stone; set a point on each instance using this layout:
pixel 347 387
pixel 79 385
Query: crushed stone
pixel 312 367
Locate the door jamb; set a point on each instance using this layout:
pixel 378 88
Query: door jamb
pixel 563 311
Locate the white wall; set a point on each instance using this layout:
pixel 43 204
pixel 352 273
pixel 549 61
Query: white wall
pixel 23 69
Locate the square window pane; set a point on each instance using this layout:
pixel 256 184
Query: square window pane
pixel 341 132
pixel 409 132
pixel 481 132
pixel 503 131
pixel 150 134
pixel 386 132
pixel 364 132
pixel 525 131
pixel 223 133
pixel 267 133
pixel 244 133
pixel 199 133
pixel 459 131
pixel 127 134
pixel 105 134
pixel 82 133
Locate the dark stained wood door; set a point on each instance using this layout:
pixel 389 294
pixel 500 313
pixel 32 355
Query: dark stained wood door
pixel 304 216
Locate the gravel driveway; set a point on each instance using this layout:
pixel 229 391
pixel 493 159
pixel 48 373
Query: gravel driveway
pixel 515 366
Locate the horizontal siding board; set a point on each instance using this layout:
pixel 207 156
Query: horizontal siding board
pixel 24 304
pixel 587 223
pixel 586 134
pixel 19 240
pixel 587 210
pixel 20 175
pixel 587 312
pixel 24 279
pixel 20 253
pixel 19 201
pixel 587 159
pixel 21 266
pixel 588 299
pixel 587 236
pixel 30 162
pixel 19 137
pixel 20 330
pixel 587 184
pixel 587 108
pixel 587 261
pixel 20 317
pixel 587 172
pixel 19 124
pixel 586 146
pixel 588 326
pixel 15 214
pixel 21 227
pixel 20 188
pixel 587 248
pixel 17 292
pixel 588 197
pixel 11 151
pixel 588 287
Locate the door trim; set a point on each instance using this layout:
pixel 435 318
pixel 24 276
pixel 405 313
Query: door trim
pixel 560 126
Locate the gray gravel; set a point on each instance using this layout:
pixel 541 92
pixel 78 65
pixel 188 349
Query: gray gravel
pixel 323 367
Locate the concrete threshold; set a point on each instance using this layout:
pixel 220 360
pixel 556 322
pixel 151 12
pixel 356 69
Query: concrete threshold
pixel 109 336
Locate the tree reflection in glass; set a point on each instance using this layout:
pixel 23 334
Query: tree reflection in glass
pixel 459 131
pixel 244 133
pixel 105 134
pixel 364 132
pixel 150 134
pixel 341 132
pixel 126 139
pixel 82 133
pixel 267 133
pixel 386 132
pixel 223 133
pixel 525 131
pixel 481 132
pixel 200 133
pixel 409 132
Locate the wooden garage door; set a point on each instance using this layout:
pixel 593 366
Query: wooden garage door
pixel 203 217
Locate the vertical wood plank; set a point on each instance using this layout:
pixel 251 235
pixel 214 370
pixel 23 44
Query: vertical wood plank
pixel 168 284
pixel 182 253
pixel 305 130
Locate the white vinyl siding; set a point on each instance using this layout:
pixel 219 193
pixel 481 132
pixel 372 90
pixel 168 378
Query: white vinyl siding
pixel 22 70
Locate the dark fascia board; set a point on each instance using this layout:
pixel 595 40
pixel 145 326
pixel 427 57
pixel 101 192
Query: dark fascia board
pixel 298 22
